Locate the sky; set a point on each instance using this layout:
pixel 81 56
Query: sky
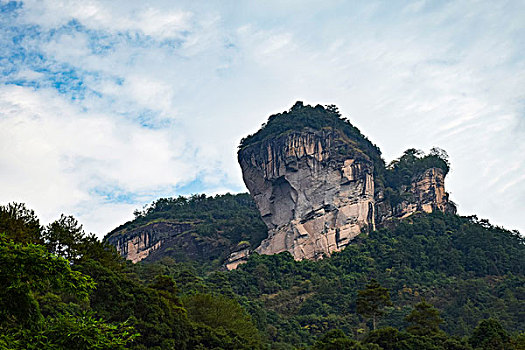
pixel 106 106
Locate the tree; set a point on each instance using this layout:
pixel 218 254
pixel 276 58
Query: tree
pixel 64 236
pixel 82 332
pixel 372 300
pixel 336 340
pixel 439 153
pixel 29 269
pixel 424 319
pixel 20 224
pixel 219 312
pixel 387 338
pixel 489 334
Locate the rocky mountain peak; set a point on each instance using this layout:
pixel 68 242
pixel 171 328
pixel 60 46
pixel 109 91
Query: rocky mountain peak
pixel 318 182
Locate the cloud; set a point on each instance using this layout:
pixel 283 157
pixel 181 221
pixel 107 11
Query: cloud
pixel 57 156
pixel 114 16
pixel 114 104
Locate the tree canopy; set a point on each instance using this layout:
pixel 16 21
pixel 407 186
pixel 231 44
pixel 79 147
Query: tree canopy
pixel 466 269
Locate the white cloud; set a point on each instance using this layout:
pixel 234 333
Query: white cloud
pixel 114 16
pixel 55 156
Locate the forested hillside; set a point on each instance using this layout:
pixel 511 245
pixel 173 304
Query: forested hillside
pixel 432 281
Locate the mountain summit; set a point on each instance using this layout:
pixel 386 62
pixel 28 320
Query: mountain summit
pixel 318 182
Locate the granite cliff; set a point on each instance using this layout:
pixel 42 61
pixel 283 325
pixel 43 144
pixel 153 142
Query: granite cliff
pixel 318 182
pixel 313 199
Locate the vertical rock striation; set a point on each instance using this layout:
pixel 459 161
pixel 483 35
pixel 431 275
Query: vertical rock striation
pixel 140 243
pixel 427 194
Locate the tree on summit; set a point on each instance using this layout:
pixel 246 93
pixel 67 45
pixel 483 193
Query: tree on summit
pixel 64 237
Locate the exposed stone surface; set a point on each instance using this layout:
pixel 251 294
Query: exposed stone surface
pixel 138 244
pixel 313 199
pixel 237 258
pixel 311 175
pixel 428 195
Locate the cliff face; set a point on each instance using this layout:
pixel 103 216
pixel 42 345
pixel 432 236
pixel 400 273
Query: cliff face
pixel 196 229
pixel 315 187
pixel 427 194
pixel 316 182
pixel 313 199
pixel 140 243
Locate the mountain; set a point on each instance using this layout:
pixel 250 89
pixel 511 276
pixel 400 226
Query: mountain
pixel 200 228
pixel 317 183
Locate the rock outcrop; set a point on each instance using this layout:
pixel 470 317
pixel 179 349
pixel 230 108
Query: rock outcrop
pixel 317 183
pixel 315 187
pixel 427 194
pixel 208 230
pixel 237 257
pixel 138 244
pixel 313 199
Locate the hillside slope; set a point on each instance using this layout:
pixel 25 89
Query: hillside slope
pixel 468 269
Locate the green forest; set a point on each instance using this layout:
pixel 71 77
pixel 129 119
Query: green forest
pixel 432 281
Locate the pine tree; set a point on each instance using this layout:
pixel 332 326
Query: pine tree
pixel 424 319
pixel 372 300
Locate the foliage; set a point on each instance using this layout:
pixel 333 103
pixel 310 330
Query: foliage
pixel 95 300
pixel 63 237
pixel 19 223
pixel 399 172
pixel 403 171
pixel 223 313
pixel 424 319
pixel 301 117
pixel 29 269
pixel 414 162
pixel 65 331
pixel 466 269
pixel 489 334
pixel 372 300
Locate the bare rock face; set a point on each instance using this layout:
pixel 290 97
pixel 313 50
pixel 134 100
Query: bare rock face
pixel 140 243
pixel 317 183
pixel 313 199
pixel 428 195
pixel 237 258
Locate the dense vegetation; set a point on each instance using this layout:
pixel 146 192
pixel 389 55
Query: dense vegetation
pixel 465 267
pixel 458 271
pixel 403 170
pixel 433 281
pixel 95 300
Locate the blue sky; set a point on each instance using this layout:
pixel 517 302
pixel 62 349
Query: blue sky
pixel 106 106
